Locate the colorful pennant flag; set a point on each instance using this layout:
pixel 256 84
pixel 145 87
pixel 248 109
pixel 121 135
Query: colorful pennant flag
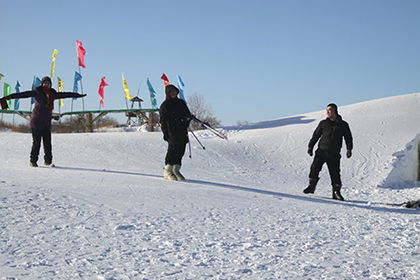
pixel 7 92
pixel 17 89
pixel 152 94
pixel 77 78
pixel 60 88
pixel 181 88
pixel 101 91
pixel 165 80
pixel 53 62
pixel 80 53
pixel 36 83
pixel 125 86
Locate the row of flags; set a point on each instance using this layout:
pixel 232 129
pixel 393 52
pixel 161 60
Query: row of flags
pixel 78 79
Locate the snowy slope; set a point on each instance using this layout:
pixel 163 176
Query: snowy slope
pixel 105 212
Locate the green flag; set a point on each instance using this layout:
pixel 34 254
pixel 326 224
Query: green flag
pixel 6 93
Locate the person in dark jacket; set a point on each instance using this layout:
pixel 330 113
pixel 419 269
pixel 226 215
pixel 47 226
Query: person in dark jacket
pixel 41 117
pixel 330 133
pixel 174 119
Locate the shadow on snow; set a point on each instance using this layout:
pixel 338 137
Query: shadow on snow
pixel 271 124
pixel 307 198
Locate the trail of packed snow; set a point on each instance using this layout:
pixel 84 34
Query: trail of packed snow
pixel 105 212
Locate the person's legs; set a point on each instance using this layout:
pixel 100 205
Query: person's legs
pixel 316 167
pixel 333 163
pixel 170 160
pixel 36 144
pixel 177 166
pixel 174 154
pixel 46 139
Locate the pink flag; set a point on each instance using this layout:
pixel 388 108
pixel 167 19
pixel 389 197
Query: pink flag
pixel 165 80
pixel 101 91
pixel 80 53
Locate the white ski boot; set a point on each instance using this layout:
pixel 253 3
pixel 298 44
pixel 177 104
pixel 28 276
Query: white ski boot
pixel 168 173
pixel 178 174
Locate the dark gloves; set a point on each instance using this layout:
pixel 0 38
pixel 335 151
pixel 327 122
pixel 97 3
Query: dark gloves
pixel 83 95
pixel 4 104
pixel 310 151
pixel 165 137
pixel 348 154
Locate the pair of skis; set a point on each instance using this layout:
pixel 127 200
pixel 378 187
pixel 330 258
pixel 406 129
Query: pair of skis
pixel 207 126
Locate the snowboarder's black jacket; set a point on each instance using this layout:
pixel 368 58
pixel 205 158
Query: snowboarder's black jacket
pixel 174 119
pixel 331 134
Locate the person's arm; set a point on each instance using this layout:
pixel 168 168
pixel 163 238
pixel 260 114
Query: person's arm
pixel 315 136
pixel 24 94
pixel 164 122
pixel 349 140
pixel 62 95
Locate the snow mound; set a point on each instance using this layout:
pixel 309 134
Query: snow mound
pixel 405 167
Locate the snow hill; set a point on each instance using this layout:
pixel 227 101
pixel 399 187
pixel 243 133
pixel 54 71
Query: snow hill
pixel 105 212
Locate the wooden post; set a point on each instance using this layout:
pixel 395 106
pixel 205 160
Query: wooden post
pixel 151 120
pixel 88 122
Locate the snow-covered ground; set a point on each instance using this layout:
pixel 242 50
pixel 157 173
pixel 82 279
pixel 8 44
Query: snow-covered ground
pixel 105 212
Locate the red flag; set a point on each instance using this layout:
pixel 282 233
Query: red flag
pixel 165 80
pixel 80 53
pixel 101 91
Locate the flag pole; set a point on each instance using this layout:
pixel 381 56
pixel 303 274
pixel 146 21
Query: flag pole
pixel 81 88
pixel 81 85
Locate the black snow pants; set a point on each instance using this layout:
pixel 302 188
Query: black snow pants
pixel 333 163
pixel 45 135
pixel 174 154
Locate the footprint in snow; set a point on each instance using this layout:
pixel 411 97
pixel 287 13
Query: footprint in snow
pixel 125 227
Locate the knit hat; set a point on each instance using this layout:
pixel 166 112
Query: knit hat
pixel 46 79
pixel 170 88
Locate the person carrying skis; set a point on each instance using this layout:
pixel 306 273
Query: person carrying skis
pixel 41 117
pixel 330 133
pixel 174 119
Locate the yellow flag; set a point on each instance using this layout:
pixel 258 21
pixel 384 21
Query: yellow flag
pixel 127 93
pixel 1 76
pixel 60 88
pixel 53 62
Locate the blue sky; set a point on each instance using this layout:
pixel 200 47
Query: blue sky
pixel 250 60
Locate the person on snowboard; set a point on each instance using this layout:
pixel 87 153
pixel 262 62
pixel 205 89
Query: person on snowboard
pixel 330 133
pixel 174 119
pixel 41 117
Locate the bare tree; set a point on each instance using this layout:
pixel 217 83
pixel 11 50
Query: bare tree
pixel 202 111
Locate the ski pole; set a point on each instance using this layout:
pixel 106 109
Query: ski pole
pixel 217 133
pixel 197 139
pixel 189 146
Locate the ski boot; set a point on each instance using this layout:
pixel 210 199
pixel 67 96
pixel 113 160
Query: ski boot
pixel 336 194
pixel 33 164
pixel 177 174
pixel 168 173
pixel 312 185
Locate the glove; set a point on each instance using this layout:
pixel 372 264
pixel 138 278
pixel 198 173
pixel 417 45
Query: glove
pixel 310 152
pixel 4 104
pixel 348 154
pixel 165 137
pixel 83 95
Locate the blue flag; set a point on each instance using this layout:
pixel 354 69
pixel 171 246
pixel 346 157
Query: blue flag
pixel 181 88
pixel 77 78
pixel 36 83
pixel 152 94
pixel 17 89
